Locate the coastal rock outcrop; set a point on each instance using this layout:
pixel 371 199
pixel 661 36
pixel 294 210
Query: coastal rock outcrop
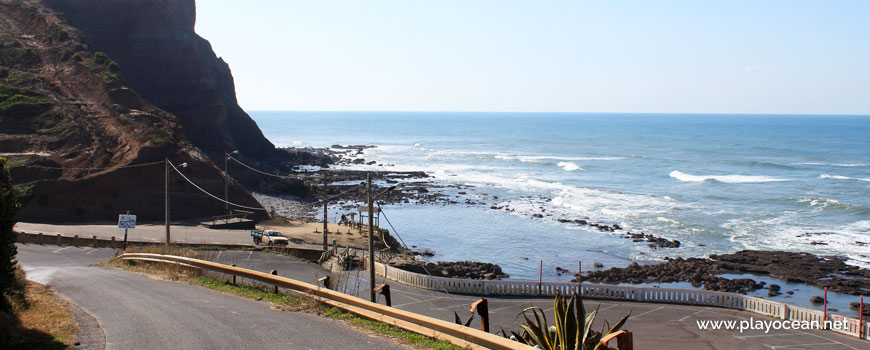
pixel 831 272
pixel 82 145
pixel 455 269
pixel 171 66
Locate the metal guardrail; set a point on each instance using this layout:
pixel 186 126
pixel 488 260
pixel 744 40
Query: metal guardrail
pixel 735 301
pixel 425 325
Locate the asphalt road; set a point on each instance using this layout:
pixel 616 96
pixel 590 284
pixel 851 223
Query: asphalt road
pixel 131 311
pixel 655 326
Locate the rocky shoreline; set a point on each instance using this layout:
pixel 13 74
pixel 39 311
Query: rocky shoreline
pixel 419 188
pixel 829 271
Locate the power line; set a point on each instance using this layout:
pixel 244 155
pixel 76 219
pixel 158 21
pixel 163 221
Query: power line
pixel 95 168
pixel 259 171
pixel 209 194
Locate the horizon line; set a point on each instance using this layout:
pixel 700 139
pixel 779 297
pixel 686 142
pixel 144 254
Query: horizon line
pixel 521 112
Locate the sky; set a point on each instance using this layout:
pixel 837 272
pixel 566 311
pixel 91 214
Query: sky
pixel 760 56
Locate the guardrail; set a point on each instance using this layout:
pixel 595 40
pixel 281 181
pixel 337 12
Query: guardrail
pixel 527 288
pixel 425 325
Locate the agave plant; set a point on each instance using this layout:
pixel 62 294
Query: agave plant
pixel 572 331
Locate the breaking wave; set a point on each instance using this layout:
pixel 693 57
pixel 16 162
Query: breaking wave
pixel 731 179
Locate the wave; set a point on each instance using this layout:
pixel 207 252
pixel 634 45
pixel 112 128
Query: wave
pixel 840 177
pixel 569 166
pixel 732 179
pixel 845 165
pixel 833 204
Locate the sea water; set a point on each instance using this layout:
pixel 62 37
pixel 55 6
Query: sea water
pixel 716 183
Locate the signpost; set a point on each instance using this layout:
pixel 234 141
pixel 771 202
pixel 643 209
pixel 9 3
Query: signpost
pixel 126 221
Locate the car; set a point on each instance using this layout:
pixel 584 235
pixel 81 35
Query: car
pixel 272 237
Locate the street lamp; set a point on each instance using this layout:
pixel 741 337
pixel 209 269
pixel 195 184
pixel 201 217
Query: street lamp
pixel 371 200
pixel 166 164
pixel 227 181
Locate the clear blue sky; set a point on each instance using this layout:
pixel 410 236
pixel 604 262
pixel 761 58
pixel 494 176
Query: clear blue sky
pixel 790 56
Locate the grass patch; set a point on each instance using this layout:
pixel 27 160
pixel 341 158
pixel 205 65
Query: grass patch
pixel 288 301
pixel 46 321
pixel 383 329
pixel 22 103
pixel 155 136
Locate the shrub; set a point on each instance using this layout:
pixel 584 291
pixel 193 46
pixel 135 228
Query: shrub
pixel 4 72
pixel 77 57
pixel 8 206
pixel 114 67
pixel 59 35
pixel 101 58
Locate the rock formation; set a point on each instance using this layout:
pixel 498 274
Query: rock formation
pixel 172 67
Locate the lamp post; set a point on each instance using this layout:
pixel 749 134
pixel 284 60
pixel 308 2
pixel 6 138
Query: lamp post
pixel 227 181
pixel 371 200
pixel 166 164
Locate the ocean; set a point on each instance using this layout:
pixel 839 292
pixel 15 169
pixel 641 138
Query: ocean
pixel 716 183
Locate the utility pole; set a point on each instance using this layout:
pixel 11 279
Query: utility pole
pixel 226 183
pixel 325 204
pixel 371 237
pixel 166 198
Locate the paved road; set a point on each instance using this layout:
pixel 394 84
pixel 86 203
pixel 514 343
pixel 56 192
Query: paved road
pixel 655 326
pixel 131 311
pixel 146 233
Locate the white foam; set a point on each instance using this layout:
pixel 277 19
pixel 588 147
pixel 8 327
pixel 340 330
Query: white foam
pixel 840 177
pixel 732 179
pixel 417 144
pixel 569 166
pixel 557 158
pixel 851 164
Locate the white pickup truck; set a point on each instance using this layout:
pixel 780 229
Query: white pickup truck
pixel 270 237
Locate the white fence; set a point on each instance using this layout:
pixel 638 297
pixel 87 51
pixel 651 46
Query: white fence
pixel 736 301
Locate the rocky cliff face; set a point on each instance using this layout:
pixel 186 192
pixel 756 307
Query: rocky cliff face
pixel 172 67
pixel 82 144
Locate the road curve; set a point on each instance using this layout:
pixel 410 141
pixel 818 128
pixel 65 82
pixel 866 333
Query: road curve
pixel 136 312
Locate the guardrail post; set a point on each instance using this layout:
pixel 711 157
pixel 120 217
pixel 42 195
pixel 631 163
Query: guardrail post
pixel 40 238
pixel 861 319
pixel 540 277
pixel 624 340
pixel 327 283
pixel 482 308
pixel 384 289
pixel 76 241
pixel 95 241
pixel 275 273
pixel 825 312
pixel 58 239
pixel 234 276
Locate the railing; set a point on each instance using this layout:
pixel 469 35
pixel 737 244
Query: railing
pixel 421 324
pixel 525 288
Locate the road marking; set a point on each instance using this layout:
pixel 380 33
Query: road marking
pixel 249 255
pixel 764 335
pixel 92 250
pixel 417 302
pixel 649 311
pixel 831 340
pixel 798 345
pixel 690 315
pixel 61 249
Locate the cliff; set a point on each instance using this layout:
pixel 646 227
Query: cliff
pixel 172 67
pixel 82 144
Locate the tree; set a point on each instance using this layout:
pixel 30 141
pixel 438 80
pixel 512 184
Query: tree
pixel 8 206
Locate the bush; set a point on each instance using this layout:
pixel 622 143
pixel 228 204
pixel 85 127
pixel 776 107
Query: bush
pixel 9 275
pixel 4 72
pixel 114 67
pixel 77 57
pixel 101 58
